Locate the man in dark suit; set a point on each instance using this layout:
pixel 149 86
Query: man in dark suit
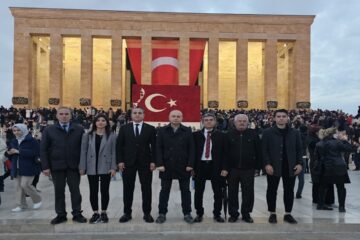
pixel 209 165
pixel 136 153
pixel 175 160
pixel 60 149
pixel 243 151
pixel 282 156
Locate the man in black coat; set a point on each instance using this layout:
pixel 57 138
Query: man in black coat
pixel 243 151
pixel 209 165
pixel 175 160
pixel 60 149
pixel 135 153
pixel 282 157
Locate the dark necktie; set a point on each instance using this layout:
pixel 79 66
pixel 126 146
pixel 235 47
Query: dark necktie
pixel 207 145
pixel 137 130
pixel 64 127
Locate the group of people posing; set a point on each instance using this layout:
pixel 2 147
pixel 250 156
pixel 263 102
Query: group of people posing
pixel 66 153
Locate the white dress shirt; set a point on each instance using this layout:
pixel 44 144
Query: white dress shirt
pixel 139 127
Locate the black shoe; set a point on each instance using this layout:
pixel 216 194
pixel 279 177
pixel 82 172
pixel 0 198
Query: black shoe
pixel 232 219
pixel 298 196
pixel 289 219
pixel 198 218
pixel 79 218
pixel 161 218
pixel 125 218
pixel 323 208
pixel 219 219
pixel 104 217
pixel 342 209
pixel 148 218
pixel 272 218
pixel 248 219
pixel 58 219
pixel 188 218
pixel 95 218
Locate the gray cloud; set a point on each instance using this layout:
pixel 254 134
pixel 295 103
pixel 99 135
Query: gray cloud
pixel 335 38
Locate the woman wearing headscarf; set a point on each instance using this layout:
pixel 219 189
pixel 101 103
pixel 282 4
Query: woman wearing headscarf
pixel 332 168
pixel 24 152
pixel 98 161
pixel 3 149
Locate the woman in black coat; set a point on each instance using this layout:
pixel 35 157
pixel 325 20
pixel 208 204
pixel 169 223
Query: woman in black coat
pixel 311 141
pixel 331 167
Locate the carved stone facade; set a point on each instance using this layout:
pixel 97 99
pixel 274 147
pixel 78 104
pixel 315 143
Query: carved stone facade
pixel 58 24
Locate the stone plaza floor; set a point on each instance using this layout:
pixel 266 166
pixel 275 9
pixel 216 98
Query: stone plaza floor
pixel 313 224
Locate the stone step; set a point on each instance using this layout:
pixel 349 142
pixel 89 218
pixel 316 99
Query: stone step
pixel 177 226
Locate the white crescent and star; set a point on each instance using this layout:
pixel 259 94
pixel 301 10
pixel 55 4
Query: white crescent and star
pixel 148 100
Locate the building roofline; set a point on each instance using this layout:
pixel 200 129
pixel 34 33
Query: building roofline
pixel 26 12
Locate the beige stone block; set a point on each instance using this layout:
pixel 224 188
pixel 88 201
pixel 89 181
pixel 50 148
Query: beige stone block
pixel 213 74
pixel 86 66
pixel 242 69
pixel 184 61
pixel 116 67
pixel 302 71
pixel 146 58
pixel 22 62
pixel 270 70
pixel 56 58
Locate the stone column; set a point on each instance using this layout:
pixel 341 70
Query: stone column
pixel 242 73
pixel 184 61
pixel 22 84
pixel 116 71
pixel 86 70
pixel 213 73
pixel 146 58
pixel 301 73
pixel 55 80
pixel 271 73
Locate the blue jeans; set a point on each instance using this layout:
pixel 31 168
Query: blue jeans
pixel 301 183
pixel 301 179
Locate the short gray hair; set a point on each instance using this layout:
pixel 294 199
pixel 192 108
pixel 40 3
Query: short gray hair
pixel 241 116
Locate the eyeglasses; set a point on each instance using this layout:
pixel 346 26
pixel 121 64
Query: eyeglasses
pixel 137 112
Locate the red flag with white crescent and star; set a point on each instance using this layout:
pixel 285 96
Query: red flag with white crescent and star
pixel 159 100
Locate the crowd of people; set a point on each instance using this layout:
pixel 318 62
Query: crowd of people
pixel 230 149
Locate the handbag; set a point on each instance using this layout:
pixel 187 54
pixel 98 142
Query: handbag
pixel 8 164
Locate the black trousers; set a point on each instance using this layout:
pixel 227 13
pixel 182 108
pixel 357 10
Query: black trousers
pixel 165 193
pixel 129 177
pixel 206 172
pixel 271 193
pixel 329 195
pixel 72 178
pixel 94 191
pixel 246 179
pixel 323 192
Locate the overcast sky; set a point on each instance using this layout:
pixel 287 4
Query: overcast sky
pixel 335 41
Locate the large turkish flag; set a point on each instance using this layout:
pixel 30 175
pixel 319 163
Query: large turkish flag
pixel 159 100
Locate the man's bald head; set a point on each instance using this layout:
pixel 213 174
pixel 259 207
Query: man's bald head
pixel 175 118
